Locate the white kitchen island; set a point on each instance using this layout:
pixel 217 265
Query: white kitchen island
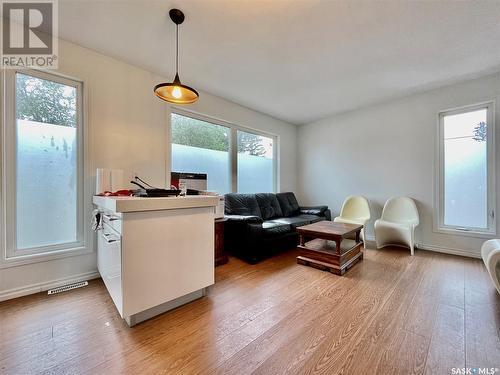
pixel 155 254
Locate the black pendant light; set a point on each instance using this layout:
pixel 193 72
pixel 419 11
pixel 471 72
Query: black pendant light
pixel 176 92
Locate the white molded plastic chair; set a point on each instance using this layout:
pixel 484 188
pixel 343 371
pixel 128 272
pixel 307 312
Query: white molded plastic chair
pixel 490 252
pixel 397 224
pixel 355 210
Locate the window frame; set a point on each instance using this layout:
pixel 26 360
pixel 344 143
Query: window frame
pixel 439 189
pixel 12 255
pixel 233 144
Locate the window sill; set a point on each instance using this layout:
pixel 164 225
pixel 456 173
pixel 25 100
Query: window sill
pixel 466 233
pixel 22 260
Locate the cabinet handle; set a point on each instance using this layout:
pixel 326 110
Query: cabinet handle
pixel 108 240
pixel 112 218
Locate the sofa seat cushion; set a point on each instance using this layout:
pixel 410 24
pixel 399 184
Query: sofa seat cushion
pixel 269 206
pixel 298 221
pixel 273 229
pixel 311 218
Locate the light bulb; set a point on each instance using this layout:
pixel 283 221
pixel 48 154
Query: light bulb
pixel 176 92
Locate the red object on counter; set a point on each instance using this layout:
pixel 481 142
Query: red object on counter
pixel 118 193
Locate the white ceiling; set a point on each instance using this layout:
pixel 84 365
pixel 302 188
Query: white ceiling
pixel 298 61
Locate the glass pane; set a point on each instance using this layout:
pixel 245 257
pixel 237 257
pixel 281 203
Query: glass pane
pixel 255 163
pixel 465 170
pixel 46 162
pixel 201 147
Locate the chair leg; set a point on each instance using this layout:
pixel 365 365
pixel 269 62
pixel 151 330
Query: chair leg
pixel 412 241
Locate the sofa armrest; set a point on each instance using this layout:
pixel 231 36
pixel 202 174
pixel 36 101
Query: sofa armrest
pixel 242 234
pixel 253 232
pixel 313 210
pixel 328 214
pixel 244 218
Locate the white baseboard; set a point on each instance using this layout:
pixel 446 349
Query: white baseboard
pixel 438 249
pixel 41 287
pixel 448 250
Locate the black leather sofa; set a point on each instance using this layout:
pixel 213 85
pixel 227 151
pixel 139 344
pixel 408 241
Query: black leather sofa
pixel 259 225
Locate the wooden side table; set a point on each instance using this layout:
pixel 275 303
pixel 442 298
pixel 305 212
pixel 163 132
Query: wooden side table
pixel 324 245
pixel 220 254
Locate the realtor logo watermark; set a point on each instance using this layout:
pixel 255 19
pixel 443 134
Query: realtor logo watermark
pixel 29 34
pixel 474 370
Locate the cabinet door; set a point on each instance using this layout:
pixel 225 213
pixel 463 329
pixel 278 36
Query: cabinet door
pixel 109 263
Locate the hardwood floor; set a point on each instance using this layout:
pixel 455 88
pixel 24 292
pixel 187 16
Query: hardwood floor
pixel 390 314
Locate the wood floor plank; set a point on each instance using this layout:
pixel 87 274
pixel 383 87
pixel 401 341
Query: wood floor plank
pixel 184 353
pixel 443 283
pixel 302 319
pixel 294 324
pixel 391 313
pixel 452 282
pixel 325 341
pixel 229 313
pixel 405 355
pixel 52 348
pixel 482 318
pixel 447 348
pixel 379 331
pixel 203 326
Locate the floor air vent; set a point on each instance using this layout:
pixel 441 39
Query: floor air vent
pixel 65 288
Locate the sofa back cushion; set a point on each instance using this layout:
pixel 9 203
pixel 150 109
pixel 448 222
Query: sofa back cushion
pixel 269 206
pixel 241 204
pixel 288 203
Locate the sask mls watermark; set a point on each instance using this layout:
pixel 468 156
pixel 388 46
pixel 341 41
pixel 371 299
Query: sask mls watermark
pixel 474 370
pixel 29 34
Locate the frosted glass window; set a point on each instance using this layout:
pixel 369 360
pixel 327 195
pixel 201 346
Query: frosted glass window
pixel 233 159
pixel 255 163
pixel 202 147
pixel 465 167
pixel 465 170
pixel 46 167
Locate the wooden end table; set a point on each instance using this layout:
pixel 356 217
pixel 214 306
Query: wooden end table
pixel 325 245
pixel 219 252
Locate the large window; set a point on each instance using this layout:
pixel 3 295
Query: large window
pixel 201 147
pixel 235 160
pixel 255 163
pixel 466 170
pixel 43 164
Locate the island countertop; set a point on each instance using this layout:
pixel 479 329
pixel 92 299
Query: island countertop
pixel 135 204
pixel 155 254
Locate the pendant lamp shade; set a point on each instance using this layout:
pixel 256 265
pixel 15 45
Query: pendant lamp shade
pixel 176 92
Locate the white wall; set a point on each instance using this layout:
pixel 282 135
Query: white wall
pixel 128 128
pixel 388 150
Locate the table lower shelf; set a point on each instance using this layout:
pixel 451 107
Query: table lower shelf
pixel 322 254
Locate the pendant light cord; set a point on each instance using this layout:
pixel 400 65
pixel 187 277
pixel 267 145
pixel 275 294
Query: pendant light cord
pixel 177 48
